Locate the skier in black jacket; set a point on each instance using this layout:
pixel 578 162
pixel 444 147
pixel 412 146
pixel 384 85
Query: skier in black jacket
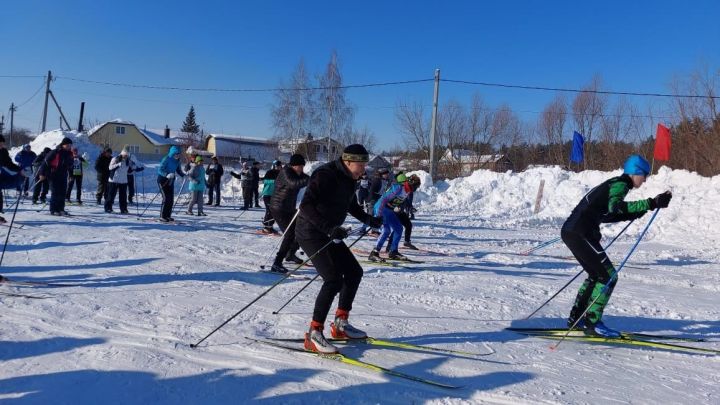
pixel 581 234
pixel 55 168
pixel 330 196
pixel 11 175
pixel 245 177
pixel 282 207
pixel 255 170
pixel 214 174
pixel 41 186
pixel 102 168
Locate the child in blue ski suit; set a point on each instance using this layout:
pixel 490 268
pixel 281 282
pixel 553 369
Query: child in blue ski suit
pixel 387 206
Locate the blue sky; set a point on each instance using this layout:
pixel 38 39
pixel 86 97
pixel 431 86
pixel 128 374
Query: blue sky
pixel 634 46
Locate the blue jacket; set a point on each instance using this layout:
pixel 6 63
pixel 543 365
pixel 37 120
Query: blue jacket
pixel 168 164
pixel 25 159
pixel 393 197
pixel 197 177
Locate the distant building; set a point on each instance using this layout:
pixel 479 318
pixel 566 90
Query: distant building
pixel 118 133
pixel 233 148
pixel 378 162
pixel 462 162
pixel 314 149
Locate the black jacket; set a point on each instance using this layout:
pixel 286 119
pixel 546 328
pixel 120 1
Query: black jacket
pixel 57 163
pixel 330 196
pixel 102 167
pixel 6 162
pixel 255 176
pixel 287 186
pixel 376 188
pixel 605 203
pixel 214 173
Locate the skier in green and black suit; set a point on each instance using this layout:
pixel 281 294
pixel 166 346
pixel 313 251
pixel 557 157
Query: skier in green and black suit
pixel 581 234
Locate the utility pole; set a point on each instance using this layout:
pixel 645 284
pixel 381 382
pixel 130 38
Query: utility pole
pixel 12 119
pixel 433 125
pixel 82 114
pixel 47 95
pixel 2 124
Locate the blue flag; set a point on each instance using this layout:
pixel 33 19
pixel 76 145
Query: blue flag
pixel 578 152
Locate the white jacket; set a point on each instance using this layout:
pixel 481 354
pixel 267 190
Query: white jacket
pixel 120 173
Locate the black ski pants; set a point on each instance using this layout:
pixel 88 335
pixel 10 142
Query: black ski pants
pixel 58 188
pixel 167 189
pixel 77 182
pixel 113 189
pixel 340 271
pixel 289 245
pixel 268 220
pixel 215 187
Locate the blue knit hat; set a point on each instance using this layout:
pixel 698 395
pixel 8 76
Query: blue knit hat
pixel 636 164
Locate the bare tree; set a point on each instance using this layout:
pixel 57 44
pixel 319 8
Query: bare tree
pixel 335 114
pixel 362 136
pixel 414 124
pixel 480 118
pixel 293 110
pixel 588 108
pixel 551 128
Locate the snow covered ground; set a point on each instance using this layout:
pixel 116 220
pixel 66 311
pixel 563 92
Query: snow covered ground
pixel 147 290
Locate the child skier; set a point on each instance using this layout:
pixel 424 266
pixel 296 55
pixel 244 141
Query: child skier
pixel 387 207
pixel 196 175
pixel 581 234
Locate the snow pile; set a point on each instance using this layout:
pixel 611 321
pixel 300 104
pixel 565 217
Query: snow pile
pixel 508 199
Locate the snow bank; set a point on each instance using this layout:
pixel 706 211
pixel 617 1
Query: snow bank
pixel 508 199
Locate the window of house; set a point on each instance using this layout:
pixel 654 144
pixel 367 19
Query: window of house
pixel 157 151
pixel 120 130
pixel 134 149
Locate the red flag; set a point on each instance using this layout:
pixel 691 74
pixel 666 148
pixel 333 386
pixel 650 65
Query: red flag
pixel 662 143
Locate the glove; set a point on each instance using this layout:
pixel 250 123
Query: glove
pixel 397 209
pixel 338 233
pixel 373 222
pixel 661 200
pixel 170 176
pixel 85 156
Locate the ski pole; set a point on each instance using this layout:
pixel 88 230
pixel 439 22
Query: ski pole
pixel 317 275
pixel 149 204
pixel 540 246
pixel 182 186
pixel 240 214
pixel 606 286
pixel 285 277
pixel 137 200
pixel 12 221
pixel 277 245
pixel 579 273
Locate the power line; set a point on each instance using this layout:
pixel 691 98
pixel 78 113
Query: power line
pixel 265 90
pixel 619 93
pixel 33 96
pixel 20 76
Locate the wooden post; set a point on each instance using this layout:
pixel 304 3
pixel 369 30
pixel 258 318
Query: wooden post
pixel 539 197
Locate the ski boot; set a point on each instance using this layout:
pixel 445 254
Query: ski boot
pixel 294 259
pixel 410 246
pixel 341 328
pixel 375 256
pixel 315 341
pixel 278 268
pixel 395 255
pixel 599 329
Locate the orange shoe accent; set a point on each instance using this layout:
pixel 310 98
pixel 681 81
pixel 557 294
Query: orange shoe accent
pixel 316 325
pixel 308 344
pixel 335 333
pixel 341 313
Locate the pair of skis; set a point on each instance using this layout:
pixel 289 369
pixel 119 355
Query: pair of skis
pixel 286 344
pixel 625 339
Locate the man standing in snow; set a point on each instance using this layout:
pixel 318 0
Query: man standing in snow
pixel 245 177
pixel 256 182
pixel 282 207
pixel 102 168
pixel 214 173
pixel 41 186
pixel 75 176
pixel 135 167
pixel 267 192
pixel 25 159
pixel 329 197
pixel 56 166
pixel 11 175
pixel 119 167
pixel 581 234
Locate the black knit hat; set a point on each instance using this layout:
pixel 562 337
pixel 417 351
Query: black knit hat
pixel 66 141
pixel 355 153
pixel 297 160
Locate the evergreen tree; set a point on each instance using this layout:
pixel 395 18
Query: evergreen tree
pixel 190 126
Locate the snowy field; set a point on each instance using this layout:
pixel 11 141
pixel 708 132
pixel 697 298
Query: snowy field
pixel 146 290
